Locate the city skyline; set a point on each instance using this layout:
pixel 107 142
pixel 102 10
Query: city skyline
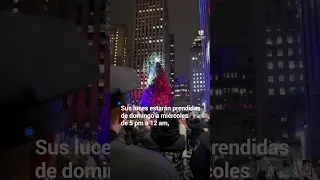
pixel 184 22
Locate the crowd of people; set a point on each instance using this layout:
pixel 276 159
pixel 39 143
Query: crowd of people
pixel 174 142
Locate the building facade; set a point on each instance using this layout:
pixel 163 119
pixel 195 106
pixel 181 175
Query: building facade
pixel 267 33
pixel 151 35
pixel 118 45
pixel 233 101
pixel 181 92
pixel 204 9
pixel 310 11
pixel 197 74
pixel 172 62
pixel 280 77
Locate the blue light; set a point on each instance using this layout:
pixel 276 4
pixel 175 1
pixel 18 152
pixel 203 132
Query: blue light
pixel 29 132
pixel 119 103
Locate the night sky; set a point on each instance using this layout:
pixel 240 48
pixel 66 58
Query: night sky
pixel 184 24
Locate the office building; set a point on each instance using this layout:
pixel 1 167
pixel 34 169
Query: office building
pixel 181 92
pixel 280 77
pixel 268 34
pixel 233 100
pixel 204 10
pixel 118 45
pixel 172 60
pixel 151 35
pixel 197 74
pixel 310 37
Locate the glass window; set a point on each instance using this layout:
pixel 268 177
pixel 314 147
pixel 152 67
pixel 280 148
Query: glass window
pixel 291 65
pixel 279 40
pixel 280 52
pixel 289 39
pixel 271 91
pixel 285 134
pixel 280 64
pixel 284 119
pixel 292 78
pixel 268 29
pixel 290 52
pixel 269 53
pixel 270 65
pixel 270 79
pixel 301 76
pixel 300 64
pixel 292 90
pixel 269 41
pixel 281 78
pixel 282 91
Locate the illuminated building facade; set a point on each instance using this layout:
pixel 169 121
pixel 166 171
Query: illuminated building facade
pixel 151 35
pixel 280 67
pixel 204 9
pixel 197 74
pixel 181 92
pixel 233 99
pixel 118 45
pixel 171 58
pixel 310 10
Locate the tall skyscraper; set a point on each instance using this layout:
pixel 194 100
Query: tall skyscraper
pixel 151 35
pixel 280 68
pixel 310 37
pixel 86 104
pixel 181 92
pixel 172 61
pixel 197 74
pixel 268 34
pixel 204 9
pixel 118 45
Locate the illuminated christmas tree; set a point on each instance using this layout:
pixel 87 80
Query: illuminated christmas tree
pixel 158 92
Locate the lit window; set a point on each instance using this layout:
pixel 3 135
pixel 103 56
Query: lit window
pixel 282 91
pixel 290 52
pixel 269 41
pixel 216 77
pixel 292 90
pixel 279 40
pixel 268 29
pixel 270 65
pixel 271 91
pixel 285 134
pixel 302 89
pixel 289 39
pixel 269 53
pixel 284 119
pixel 281 78
pixel 292 78
pixel 300 64
pixel 280 64
pixel 291 65
pixel 270 79
pixel 301 76
pixel 280 52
